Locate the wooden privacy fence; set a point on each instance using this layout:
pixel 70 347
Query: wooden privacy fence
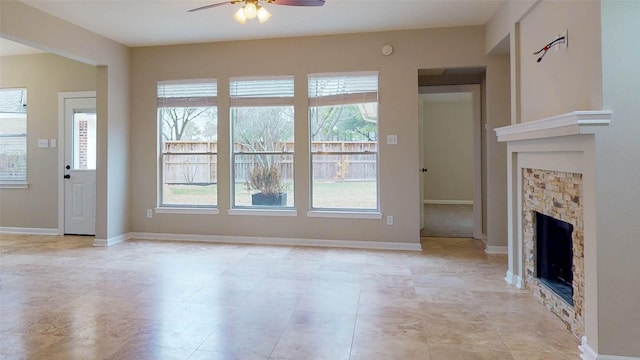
pixel 195 162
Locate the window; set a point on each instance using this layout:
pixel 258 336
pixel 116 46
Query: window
pixel 84 139
pixel 13 136
pixel 343 125
pixel 262 127
pixel 188 121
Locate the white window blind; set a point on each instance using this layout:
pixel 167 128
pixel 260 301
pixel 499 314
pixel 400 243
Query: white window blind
pixel 194 93
pixel 340 89
pixel 267 91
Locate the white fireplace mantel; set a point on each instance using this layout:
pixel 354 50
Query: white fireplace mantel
pixel 572 123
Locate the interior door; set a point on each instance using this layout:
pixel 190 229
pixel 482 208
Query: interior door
pixel 80 166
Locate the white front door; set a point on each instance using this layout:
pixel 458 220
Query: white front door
pixel 80 124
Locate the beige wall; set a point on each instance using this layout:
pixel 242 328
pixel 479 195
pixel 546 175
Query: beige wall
pixel 27 25
pixel 569 79
pixel 617 182
pixel 44 76
pixel 448 137
pixel 399 185
pixel 495 174
pixel 502 22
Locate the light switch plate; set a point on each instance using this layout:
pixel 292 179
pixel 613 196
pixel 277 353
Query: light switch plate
pixel 392 139
pixel 53 143
pixel 43 143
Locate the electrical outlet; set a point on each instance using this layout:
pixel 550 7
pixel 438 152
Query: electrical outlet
pixel 149 213
pixel 389 220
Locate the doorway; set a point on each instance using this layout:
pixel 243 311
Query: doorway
pixel 77 163
pixel 450 143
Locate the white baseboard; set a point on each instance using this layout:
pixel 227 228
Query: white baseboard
pixel 111 241
pixel 514 280
pixel 29 231
pixel 496 250
pixel 370 245
pixel 588 354
pixel 448 202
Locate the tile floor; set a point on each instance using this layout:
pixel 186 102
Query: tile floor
pixel 60 298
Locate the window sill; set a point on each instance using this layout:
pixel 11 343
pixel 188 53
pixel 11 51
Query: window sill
pixel 375 215
pixel 14 185
pixel 187 211
pixel 263 212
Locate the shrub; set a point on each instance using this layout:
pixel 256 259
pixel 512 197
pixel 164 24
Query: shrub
pixel 265 179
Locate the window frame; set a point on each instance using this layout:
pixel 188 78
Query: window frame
pixel 350 98
pixel 189 99
pixel 242 94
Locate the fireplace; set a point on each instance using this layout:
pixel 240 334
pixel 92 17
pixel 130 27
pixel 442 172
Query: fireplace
pixel 553 242
pixel 551 170
pixel 554 255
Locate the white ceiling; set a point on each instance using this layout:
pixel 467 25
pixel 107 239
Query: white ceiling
pixel 162 22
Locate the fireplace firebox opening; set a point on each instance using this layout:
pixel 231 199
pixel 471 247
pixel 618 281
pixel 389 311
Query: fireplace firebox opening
pixel 554 255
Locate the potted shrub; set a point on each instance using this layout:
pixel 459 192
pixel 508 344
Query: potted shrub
pixel 265 178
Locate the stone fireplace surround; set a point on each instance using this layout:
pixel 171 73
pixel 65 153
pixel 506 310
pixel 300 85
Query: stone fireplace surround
pixel 559 195
pixel 563 144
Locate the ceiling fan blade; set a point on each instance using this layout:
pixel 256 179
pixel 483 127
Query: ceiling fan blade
pixel 214 5
pixel 298 2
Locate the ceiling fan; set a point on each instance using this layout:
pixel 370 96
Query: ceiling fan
pixel 253 8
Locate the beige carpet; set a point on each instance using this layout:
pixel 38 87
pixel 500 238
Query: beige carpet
pixel 448 221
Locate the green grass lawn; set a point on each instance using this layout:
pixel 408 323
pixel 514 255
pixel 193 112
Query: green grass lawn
pixel 347 194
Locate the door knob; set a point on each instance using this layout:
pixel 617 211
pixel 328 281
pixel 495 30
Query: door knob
pixel 68 167
pixel 423 169
pixel 67 176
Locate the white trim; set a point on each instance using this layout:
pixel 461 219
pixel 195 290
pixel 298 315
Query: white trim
pixel 514 280
pixel 448 202
pixel 14 185
pixel 111 241
pixel 262 212
pixel 572 123
pixel 28 231
pixel 496 250
pixel 344 214
pixel 588 354
pixel 187 211
pixel 62 96
pixel 369 245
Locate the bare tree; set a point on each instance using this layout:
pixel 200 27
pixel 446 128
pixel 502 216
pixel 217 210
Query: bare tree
pixel 176 121
pixel 265 129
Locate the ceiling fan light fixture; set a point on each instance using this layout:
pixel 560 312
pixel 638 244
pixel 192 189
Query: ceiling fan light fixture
pixel 263 14
pixel 250 10
pixel 253 8
pixel 239 16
